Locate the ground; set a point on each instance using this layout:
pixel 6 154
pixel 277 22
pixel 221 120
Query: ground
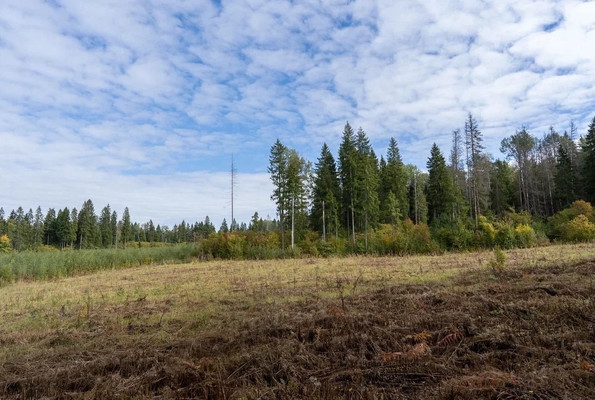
pixel 442 327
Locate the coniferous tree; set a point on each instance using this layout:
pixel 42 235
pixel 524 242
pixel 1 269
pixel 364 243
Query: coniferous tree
pixel 37 227
pixel 126 227
pixel 278 170
pixel 393 178
pixel 366 184
pixel 588 169
pixel 475 172
pixel 49 227
pixel 105 227
pixel 347 173
pixel 440 190
pixel 325 208
pixel 565 176
pixel 114 225
pixel 2 222
pixel 418 205
pixel 224 228
pixel 87 224
pixel 63 227
pixel 502 189
pixel 298 193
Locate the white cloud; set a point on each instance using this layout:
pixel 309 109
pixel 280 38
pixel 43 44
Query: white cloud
pixel 142 103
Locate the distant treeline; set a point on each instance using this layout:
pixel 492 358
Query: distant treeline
pixel 541 191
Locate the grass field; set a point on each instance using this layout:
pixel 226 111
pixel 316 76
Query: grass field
pixel 438 327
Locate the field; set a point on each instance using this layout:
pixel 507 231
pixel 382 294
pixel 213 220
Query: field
pixel 455 326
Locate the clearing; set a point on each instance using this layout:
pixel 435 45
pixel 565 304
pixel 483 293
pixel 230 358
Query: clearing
pixel 442 327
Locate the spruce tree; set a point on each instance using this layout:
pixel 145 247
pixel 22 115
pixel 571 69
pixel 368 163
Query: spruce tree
pixel 393 179
pixel 440 191
pixel 105 227
pixel 588 169
pixel 347 173
pixel 325 192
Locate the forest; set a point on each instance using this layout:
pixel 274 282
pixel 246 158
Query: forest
pixel 540 191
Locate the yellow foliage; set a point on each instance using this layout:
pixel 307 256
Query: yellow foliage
pixel 580 229
pixel 5 245
pixel 581 207
pixel 525 236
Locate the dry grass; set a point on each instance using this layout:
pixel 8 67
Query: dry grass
pixel 414 327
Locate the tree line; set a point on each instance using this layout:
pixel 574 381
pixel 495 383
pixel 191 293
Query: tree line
pixel 84 229
pixel 540 190
pixel 357 194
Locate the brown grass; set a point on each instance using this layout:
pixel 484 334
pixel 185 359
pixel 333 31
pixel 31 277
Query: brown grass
pixel 439 327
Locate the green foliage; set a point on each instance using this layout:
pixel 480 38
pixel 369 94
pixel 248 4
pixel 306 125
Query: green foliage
pixel 558 224
pixel 498 261
pixel 524 236
pixel 33 265
pixel 454 236
pixel 485 234
pixel 505 235
pixel 579 229
pixel 333 246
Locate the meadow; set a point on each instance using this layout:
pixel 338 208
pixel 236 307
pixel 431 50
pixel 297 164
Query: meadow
pixel 454 326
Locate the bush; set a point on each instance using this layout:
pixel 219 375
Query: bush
pixel 5 245
pixel 485 235
pixel 580 229
pixel 505 236
pixel 524 236
pixel 557 223
pixel 454 237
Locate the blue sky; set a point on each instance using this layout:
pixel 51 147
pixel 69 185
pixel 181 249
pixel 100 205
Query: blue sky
pixel 143 103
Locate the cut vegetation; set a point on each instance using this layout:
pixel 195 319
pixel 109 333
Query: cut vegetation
pixel 491 325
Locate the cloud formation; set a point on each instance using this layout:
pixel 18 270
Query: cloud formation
pixel 142 103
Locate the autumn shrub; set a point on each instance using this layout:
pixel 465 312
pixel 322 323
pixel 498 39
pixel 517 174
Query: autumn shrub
pixel 505 235
pixel 557 224
pixel 485 234
pixel 579 229
pixel 524 236
pixel 5 245
pixel 418 238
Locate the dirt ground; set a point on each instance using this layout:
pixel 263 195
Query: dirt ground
pixel 526 333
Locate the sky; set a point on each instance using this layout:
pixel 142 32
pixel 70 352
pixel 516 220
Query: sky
pixel 143 103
